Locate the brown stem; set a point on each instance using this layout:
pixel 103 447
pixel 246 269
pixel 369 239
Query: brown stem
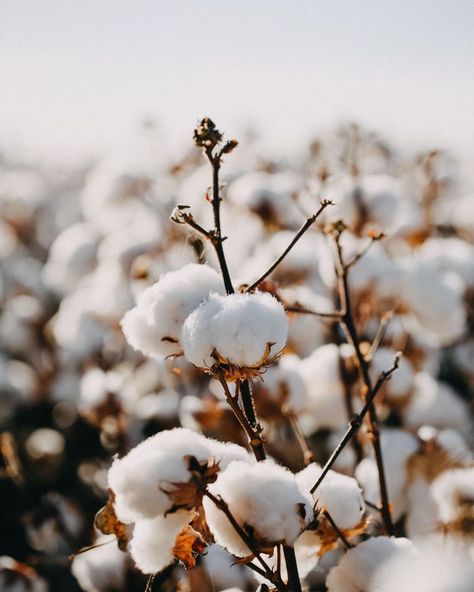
pixel 330 316
pixel 308 455
pixel 350 331
pixel 296 238
pixel 294 582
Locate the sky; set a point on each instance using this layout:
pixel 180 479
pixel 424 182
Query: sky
pixel 77 75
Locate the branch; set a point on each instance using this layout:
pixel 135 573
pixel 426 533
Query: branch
pixel 266 571
pixel 373 238
pixel 324 204
pixel 330 316
pixel 337 530
pixel 384 321
pixel 348 325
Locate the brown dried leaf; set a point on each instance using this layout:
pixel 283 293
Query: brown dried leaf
pixel 189 544
pixel 107 522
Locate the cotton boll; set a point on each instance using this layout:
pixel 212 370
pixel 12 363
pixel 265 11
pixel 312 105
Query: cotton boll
pixel 153 541
pixel 436 568
pixel 245 330
pixel 264 497
pixel 339 494
pixel 224 573
pixel 451 491
pixel 154 325
pixel 322 376
pixel 270 195
pixel 450 254
pixel 436 403
pixel 397 448
pixel 71 257
pixel 357 568
pixel 437 313
pixel 138 478
pixel 102 569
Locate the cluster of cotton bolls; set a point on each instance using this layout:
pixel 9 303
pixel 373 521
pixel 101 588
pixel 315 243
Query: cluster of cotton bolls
pixel 126 362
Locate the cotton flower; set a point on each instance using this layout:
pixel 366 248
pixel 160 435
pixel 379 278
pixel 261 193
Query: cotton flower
pixel 154 325
pixel 240 332
pixel 142 480
pixel 266 501
pixel 357 568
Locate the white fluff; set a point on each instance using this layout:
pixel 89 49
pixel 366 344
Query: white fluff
pixel 136 478
pixel 397 447
pixel 102 568
pixel 153 541
pixel 339 494
pixel 162 308
pixel 238 327
pixel 359 565
pixel 263 496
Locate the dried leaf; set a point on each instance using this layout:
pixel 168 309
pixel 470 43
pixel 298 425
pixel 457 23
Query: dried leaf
pixel 189 544
pixel 107 522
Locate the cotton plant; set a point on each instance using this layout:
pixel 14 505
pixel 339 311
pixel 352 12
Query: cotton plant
pixel 259 336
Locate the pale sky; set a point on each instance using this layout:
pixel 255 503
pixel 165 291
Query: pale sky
pixel 76 75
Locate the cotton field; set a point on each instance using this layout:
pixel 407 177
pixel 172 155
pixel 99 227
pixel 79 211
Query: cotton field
pixel 231 372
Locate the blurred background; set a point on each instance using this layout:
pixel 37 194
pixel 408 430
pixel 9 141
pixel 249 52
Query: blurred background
pixel 98 101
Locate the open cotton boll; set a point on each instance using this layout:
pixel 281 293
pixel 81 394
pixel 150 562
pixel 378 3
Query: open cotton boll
pixel 436 306
pixel 450 254
pixel 451 491
pixel 241 331
pixel 358 566
pixel 154 325
pixel 264 497
pixel 270 195
pixel 436 568
pixel 154 539
pixel 397 447
pixel 339 494
pixel 101 569
pixel 401 382
pixel 322 375
pixel 137 479
pixel 436 404
pixel 71 257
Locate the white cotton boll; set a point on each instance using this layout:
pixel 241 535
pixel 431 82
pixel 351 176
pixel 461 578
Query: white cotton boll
pixel 271 195
pixel 436 568
pixel 339 494
pixel 153 540
pixel 451 490
pixel 8 240
pixel 244 329
pixel 224 572
pixel 96 385
pixel 359 565
pixel 436 404
pixel 397 447
pixel 283 384
pixel 71 257
pixel 162 406
pixel 461 213
pixel 137 478
pixel 437 313
pixel 401 381
pixel 322 376
pixel 422 519
pixel 262 496
pixel 306 332
pixel 450 254
pixel 155 324
pixel 102 569
pixel 455 445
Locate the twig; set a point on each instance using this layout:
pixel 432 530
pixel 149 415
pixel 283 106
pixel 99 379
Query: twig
pixel 324 204
pixel 267 571
pixel 337 530
pixel 382 328
pixel 294 582
pixel 373 238
pixel 331 316
pixel 355 423
pixel 348 325
pixel 308 455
